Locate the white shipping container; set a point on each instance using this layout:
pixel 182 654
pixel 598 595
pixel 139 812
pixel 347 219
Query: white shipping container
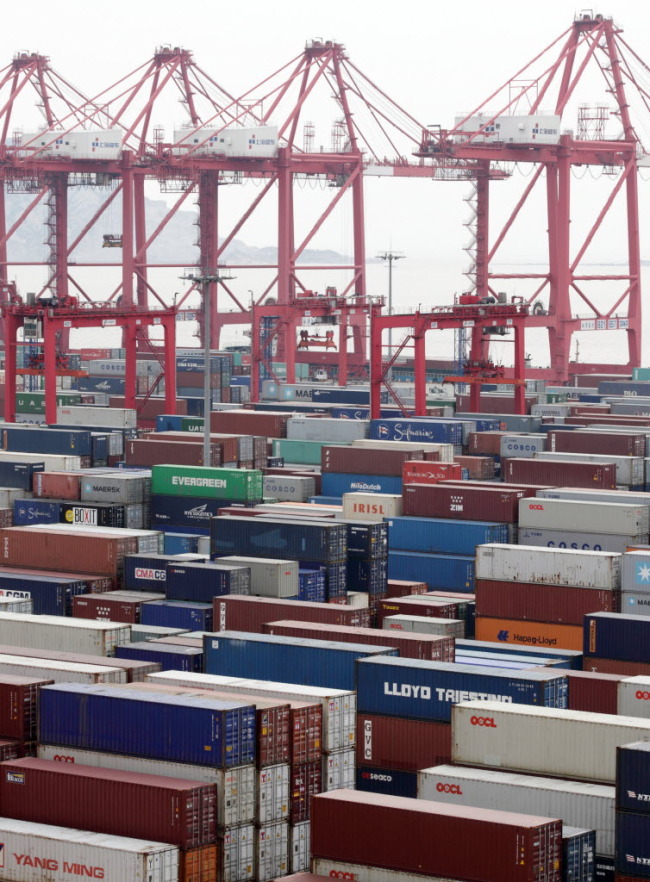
pixel 627 497
pixel 446 451
pixel 363 873
pixel 634 697
pixel 260 142
pixel 634 603
pixel 269 577
pixel 116 367
pixel 579 541
pixel 630 470
pixel 526 129
pixel 60 671
pixel 9 494
pixel 590 517
pixel 291 488
pixel 87 415
pixel 635 571
pixel 357 599
pixel 548 566
pixel 84 144
pixel 339 706
pixel 299 846
pixel 326 429
pixel 149 632
pixel 371 506
pixel 548 741
pixel 551 410
pixel 273 794
pixel 237 847
pixel 425 625
pixel 272 851
pixel 577 803
pixel 522 446
pixel 236 787
pixel 339 770
pixel 9 604
pixel 52 462
pixel 38 852
pixel 61 634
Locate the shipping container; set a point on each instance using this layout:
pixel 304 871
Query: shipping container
pixel 451 571
pixel 204 581
pixel 523 633
pixel 443 536
pixel 242 484
pixel 625 637
pixel 49 595
pixel 277 538
pixel 174 657
pixel 358 460
pixel 399 743
pixel 548 566
pixel 578 541
pixel 635 572
pixel 419 604
pixel 371 506
pixel 598 442
pixel 269 578
pixel 589 517
pixel 630 470
pixel 60 671
pixel 532 601
pixel 424 625
pixel 19 705
pixel 271 851
pixel 634 697
pixel 632 845
pixel 414 472
pixel 193 616
pixel 594 692
pixel 477 503
pixel 561 473
pixel 53 632
pixel 240 613
pixel 56 550
pixel 325 868
pixel 299 846
pixel 113 606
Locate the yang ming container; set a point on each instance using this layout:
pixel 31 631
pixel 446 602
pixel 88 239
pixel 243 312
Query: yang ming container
pixel 236 613
pixel 549 566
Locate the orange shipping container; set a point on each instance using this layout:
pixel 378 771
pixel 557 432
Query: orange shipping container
pixel 514 633
pixel 198 864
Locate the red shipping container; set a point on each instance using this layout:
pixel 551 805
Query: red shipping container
pixel 493 404
pixel 402 588
pixel 366 460
pixel 480 468
pixel 56 550
pixel 305 782
pixel 151 451
pixel 487 443
pixel 136 670
pixel 422 605
pixel 592 691
pixel 238 612
pixel 604 443
pixel 470 503
pixel 616 666
pixel 149 408
pixel 589 409
pixel 429 473
pixel 435 839
pixel 94 583
pixel 614 419
pixel 271 423
pixel 529 601
pixel 169 810
pixel 430 647
pixel 19 706
pixel 399 743
pixel 57 485
pixel 198 864
pixel 112 606
pixel 561 473
pixel 229 443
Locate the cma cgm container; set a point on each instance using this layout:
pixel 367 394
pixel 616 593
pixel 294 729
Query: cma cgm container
pixel 311 662
pixel 240 484
pixel 427 690
pixel 560 743
pixel 417 836
pixel 30 850
pixel 183 728
pixel 463 503
pixel 171 810
pixel 239 613
pixel 549 566
pixel 442 536
pixel 49 595
pixel 278 538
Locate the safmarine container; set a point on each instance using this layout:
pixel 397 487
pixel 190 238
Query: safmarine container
pixel 577 803
pixel 53 632
pixel 312 662
pixel 619 636
pixel 278 538
pixel 423 837
pixel 241 484
pixel 442 536
pixel 578 541
pixel 399 743
pixel 549 741
pixel 50 595
pixel 181 728
pixel 426 690
pixel 269 578
pixel 429 430
pixel 237 613
pixel 463 503
pixel 171 810
pixel 32 849
pixel 594 517
pixel 549 566
pixel 450 571
pixel 169 657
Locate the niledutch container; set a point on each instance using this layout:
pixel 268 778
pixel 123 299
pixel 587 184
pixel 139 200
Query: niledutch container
pixel 334 484
pixel 31 849
pixel 321 663
pixel 619 636
pixel 427 690
pixel 561 743
pixel 442 536
pixel 241 484
pixel 182 728
pixel 549 566
pixel 577 803
pixel 590 517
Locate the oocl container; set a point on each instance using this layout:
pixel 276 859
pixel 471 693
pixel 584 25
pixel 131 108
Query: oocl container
pixel 590 517
pixel 549 566
pixel 424 625
pixel 634 697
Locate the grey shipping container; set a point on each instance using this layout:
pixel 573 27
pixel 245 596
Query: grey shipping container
pixel 577 540
pixel 590 517
pixel 269 578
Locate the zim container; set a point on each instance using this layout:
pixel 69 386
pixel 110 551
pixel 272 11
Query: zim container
pixel 476 503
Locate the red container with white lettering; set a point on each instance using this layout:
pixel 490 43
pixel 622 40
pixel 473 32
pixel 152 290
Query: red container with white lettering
pixel 561 473
pixel 530 601
pixel 57 485
pixel 404 588
pixel 466 503
pixel 238 612
pixel 305 782
pixel 401 744
pixel 429 472
pixel 113 606
pixel 367 460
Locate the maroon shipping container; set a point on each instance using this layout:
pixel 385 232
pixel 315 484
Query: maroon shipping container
pixel 11 750
pixel 529 601
pixel 136 671
pixel 613 419
pixel 402 588
pixel 589 409
pixel 472 503
pixel 435 839
pixel 422 605
pixel 195 379
pixel 149 408
pixel 271 423
pixel 113 606
pixel 561 473
pixel 6 517
pixel 430 647
pixel 56 550
pixel 305 782
pixel 604 443
pixel 238 612
pixel 94 583
pixel 229 443
pixel 150 452
pixel 480 468
pixel 367 461
pixel 616 666
pixel 487 443
pixel 398 743
pixel 57 485
pixel 592 691
pixel 19 706
pixel 169 810
pixel 493 404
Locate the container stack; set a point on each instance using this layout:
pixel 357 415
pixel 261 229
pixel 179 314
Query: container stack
pixel 632 812
pixel 635 583
pixel 617 644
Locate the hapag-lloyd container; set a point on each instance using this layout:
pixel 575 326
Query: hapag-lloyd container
pixel 577 803
pixel 422 836
pixel 520 633
pixel 29 850
pixel 54 632
pixel 624 637
pixel 400 743
pixel 235 612
pixel 549 741
pixel 443 536
pixel 462 503
pixel 236 787
pixel 427 690
pixel 549 566
pixel 172 810
pixel 589 517
pixel 531 601
pixel 578 541
pixel 242 484
pixel 183 728
pixel 561 473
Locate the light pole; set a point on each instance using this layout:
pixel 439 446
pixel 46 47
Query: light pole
pixel 389 257
pixel 206 276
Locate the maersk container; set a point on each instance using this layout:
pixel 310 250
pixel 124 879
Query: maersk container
pixel 29 850
pixel 521 445
pixel 632 845
pixel 426 690
pixel 425 625
pixel 578 541
pixel 324 429
pixel 635 571
pixel 449 571
pixel 577 803
pixel 20 475
pixel 549 566
pixel 240 484
pixel 321 663
pixel 194 616
pixel 203 581
pixel 53 632
pixel 589 517
pixel 50 595
pixel 549 741
pixel 269 577
pixel 442 536
pixel 617 636
pixel 635 603
pixel 171 658
pixel 286 539
pixel 112 487
pixel 182 728
pixel 336 484
pixel 430 430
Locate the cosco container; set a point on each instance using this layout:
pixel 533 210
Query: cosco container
pixel 442 536
pixel 32 849
pixel 549 566
pixel 577 803
pixel 619 636
pixel 182 728
pixel 423 837
pixel 289 488
pixel 278 538
pixel 53 632
pixel 578 541
pixel 521 445
pixel 560 743
pixel 590 517
pixel 241 484
pixel 237 613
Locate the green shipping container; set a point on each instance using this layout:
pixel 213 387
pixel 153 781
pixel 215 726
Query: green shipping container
pixel 641 373
pixel 34 402
pixel 176 480
pixel 300 452
pixel 192 424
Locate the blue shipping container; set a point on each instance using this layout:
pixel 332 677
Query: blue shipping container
pixel 619 636
pixel 633 776
pixel 439 571
pixel 286 659
pixel 170 657
pixel 605 871
pixel 427 430
pixel 337 483
pixel 50 595
pixel 367 540
pixel 146 572
pixel 19 474
pixel 335 576
pixel 389 781
pixel 444 536
pixel 108 385
pixel 633 844
pixel 182 543
pixel 288 540
pixel 183 511
pixel 426 690
pixel 203 581
pixel 571 657
pixel 64 442
pixel 36 511
pixel 578 855
pixel 176 728
pixel 311 585
pixel 177 614
pixel 628 388
pixel 370 576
